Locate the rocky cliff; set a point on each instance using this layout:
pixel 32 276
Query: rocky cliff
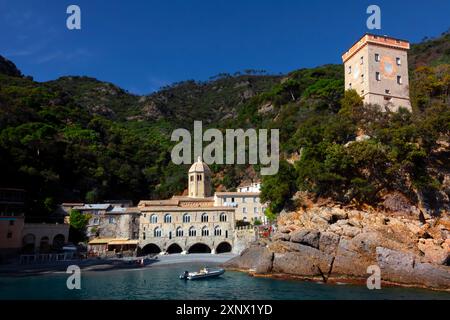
pixel 8 68
pixel 331 243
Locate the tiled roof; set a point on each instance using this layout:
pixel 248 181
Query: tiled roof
pixel 95 206
pixel 199 166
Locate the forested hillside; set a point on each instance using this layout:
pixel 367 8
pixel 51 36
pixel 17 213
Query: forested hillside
pixel 80 139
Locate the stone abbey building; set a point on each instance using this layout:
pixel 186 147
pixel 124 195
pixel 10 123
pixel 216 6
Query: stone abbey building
pixel 377 68
pixel 194 223
pixel 197 223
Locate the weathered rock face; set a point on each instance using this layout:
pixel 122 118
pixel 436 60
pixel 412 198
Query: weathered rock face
pixel 328 242
pixel 334 242
pixel 306 237
pixel 306 261
pixel 399 204
pixel 435 251
pixel 350 260
pixel 404 268
pixel 265 263
pixel 256 256
pixel 281 236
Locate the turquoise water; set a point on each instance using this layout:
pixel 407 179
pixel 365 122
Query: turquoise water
pixel 161 282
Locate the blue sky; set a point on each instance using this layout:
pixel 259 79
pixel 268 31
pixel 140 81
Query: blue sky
pixel 143 45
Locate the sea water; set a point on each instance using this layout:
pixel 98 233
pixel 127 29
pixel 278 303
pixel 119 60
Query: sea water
pixel 162 282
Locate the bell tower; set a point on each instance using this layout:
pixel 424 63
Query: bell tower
pixel 199 180
pixel 377 68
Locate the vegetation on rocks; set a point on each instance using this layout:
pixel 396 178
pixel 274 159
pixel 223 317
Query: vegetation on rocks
pixel 80 139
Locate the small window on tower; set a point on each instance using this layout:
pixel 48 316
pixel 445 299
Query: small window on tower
pixel 362 78
pixel 388 91
pixel 349 85
pixel 349 69
pixel 399 61
pixel 399 80
pixel 378 76
pixel 362 60
pixel 377 57
pixel 192 178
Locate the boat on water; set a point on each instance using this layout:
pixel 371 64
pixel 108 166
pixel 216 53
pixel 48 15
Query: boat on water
pixel 204 273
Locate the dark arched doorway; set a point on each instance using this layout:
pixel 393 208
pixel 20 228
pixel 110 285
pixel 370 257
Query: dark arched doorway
pixel 174 248
pixel 58 241
pixel 223 247
pixel 29 243
pixel 199 248
pixel 150 248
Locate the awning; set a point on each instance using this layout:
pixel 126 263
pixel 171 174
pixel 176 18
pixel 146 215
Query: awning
pixel 113 241
pixel 123 242
pixel 104 240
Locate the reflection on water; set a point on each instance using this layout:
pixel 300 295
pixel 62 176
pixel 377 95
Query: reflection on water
pixel 162 282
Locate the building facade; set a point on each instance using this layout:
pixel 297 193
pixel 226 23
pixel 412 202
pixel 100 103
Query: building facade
pixel 12 220
pixel 113 227
pixel 186 227
pixel 111 220
pixel 253 187
pixel 44 237
pixel 377 68
pixel 197 223
pixel 248 207
pixel 11 227
pixel 191 224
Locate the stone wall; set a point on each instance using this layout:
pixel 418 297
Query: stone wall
pixel 41 231
pixel 243 237
pixel 122 226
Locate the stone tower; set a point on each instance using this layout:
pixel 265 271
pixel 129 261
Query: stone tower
pixel 199 180
pixel 377 68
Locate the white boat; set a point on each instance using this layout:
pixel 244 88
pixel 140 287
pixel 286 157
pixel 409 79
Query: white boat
pixel 204 273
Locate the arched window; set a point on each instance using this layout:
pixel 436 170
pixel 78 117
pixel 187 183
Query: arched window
pixel 167 218
pixel 186 218
pixel 204 217
pixel 223 217
pixel 217 231
pixel 192 232
pixel 157 233
pixel 153 218
pixel 205 232
pixel 179 232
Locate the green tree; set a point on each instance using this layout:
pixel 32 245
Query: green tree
pixel 78 223
pixel 272 217
pixel 350 103
pixel 278 189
